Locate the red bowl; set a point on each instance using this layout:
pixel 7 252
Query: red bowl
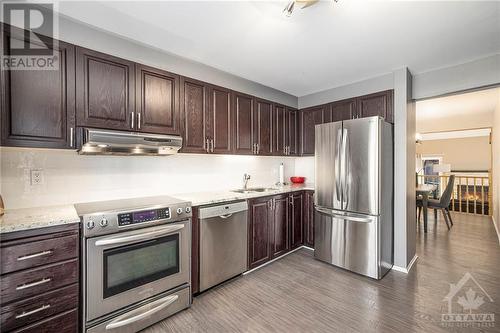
pixel 297 180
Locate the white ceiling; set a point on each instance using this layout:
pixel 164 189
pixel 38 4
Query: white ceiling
pixel 317 48
pixel 477 104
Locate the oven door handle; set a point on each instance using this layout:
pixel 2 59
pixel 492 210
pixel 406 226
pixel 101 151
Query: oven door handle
pixel 138 237
pixel 153 308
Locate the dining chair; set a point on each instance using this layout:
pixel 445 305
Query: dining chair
pixel 442 204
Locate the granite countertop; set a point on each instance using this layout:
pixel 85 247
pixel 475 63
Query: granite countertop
pixel 208 198
pixel 41 217
pixel 37 217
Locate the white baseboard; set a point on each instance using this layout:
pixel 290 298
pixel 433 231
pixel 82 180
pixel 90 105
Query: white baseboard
pixel 407 269
pixel 496 228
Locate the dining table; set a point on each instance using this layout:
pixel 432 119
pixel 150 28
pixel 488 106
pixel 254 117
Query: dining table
pixel 424 190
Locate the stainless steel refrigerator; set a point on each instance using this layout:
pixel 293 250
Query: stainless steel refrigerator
pixel 354 195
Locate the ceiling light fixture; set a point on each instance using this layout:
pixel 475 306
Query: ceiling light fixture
pixel 288 10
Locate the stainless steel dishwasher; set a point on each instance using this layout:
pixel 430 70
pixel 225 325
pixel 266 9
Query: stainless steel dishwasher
pixel 223 242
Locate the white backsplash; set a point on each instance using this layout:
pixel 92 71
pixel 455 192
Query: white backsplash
pixel 304 166
pixel 70 178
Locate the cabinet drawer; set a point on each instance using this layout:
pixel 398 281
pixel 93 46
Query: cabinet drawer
pixel 38 280
pixel 37 253
pixel 62 323
pixel 35 308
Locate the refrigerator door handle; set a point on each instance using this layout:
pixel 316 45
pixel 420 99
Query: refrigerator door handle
pixel 344 168
pixel 338 168
pixel 345 216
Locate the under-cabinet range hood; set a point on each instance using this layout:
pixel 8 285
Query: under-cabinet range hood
pixel 108 142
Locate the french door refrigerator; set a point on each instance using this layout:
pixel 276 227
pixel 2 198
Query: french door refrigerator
pixel 354 195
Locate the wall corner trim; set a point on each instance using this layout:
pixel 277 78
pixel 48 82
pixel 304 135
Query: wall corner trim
pixel 407 269
pixel 496 228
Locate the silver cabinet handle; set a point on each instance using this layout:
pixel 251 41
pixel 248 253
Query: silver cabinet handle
pixel 153 308
pixel 253 148
pixel 138 120
pixel 33 284
pixel 71 137
pixel 132 120
pixel 226 216
pixel 138 237
pixel 27 313
pixel 258 147
pixel 34 255
pixel 207 145
pixel 212 145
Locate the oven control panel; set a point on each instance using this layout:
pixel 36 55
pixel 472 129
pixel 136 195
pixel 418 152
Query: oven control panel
pixel 143 216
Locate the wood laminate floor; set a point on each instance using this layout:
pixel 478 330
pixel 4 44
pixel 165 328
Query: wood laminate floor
pixel 300 294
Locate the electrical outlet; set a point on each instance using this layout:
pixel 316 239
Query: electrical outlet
pixel 36 177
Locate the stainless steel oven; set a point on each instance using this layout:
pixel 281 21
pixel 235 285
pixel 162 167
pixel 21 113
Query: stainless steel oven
pixel 133 250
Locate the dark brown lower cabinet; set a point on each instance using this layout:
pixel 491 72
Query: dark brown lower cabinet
pixel 296 219
pixel 259 228
pixel 309 218
pixel 280 243
pixel 42 293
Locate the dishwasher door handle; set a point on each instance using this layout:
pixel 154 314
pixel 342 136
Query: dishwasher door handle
pixel 226 216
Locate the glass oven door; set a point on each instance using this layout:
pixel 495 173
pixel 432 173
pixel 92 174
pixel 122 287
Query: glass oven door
pixel 128 267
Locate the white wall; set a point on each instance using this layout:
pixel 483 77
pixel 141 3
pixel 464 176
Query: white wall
pixel 70 178
pixel 462 153
pixel 472 75
pixel 496 165
pixel 368 86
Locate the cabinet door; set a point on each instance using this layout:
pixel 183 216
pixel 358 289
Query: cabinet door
pixel 243 120
pixel 219 122
pixel 309 218
pixel 297 219
pixel 194 105
pixel 38 106
pixel 343 110
pixel 293 130
pixel 309 118
pixel 263 123
pixel 105 90
pixel 279 129
pixel 280 243
pixel 378 104
pixel 259 225
pixel 157 96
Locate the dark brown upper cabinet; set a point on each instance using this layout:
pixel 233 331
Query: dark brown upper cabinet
pixel 279 126
pixel 219 120
pixel 310 117
pixel 296 219
pixel 263 127
pixel 378 104
pixel 343 110
pixel 206 117
pixel 280 243
pixel 105 91
pixel 157 101
pixel 259 228
pixel 292 132
pixel 195 114
pixel 243 124
pixel 38 106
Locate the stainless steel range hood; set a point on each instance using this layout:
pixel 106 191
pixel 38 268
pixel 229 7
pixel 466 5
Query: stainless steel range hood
pixel 108 142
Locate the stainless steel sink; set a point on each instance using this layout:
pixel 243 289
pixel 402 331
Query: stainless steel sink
pixel 254 189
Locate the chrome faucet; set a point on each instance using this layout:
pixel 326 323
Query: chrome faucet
pixel 246 178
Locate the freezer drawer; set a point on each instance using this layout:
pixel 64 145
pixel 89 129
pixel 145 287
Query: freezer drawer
pixel 349 241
